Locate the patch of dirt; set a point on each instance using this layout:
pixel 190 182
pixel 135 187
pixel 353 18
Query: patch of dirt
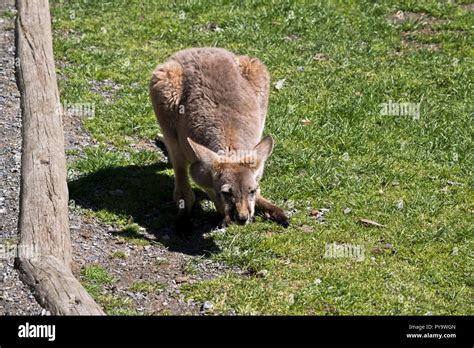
pixel 424 26
pixel 424 19
pixel 105 88
pixel 144 144
pixel 15 297
pixel 410 43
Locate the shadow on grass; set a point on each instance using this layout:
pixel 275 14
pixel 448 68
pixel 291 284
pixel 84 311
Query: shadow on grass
pixel 144 195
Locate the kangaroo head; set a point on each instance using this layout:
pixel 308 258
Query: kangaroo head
pixel 235 177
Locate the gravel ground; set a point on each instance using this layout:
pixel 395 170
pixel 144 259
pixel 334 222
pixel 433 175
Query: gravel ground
pixel 94 243
pixel 15 297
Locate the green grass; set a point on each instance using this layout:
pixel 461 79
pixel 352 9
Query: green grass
pixel 347 155
pixel 119 254
pixel 147 287
pixel 8 13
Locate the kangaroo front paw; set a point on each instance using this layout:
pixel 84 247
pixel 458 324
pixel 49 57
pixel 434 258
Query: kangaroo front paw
pixel 226 221
pixel 279 216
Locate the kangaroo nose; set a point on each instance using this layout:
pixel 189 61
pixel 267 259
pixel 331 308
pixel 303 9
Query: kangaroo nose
pixel 242 218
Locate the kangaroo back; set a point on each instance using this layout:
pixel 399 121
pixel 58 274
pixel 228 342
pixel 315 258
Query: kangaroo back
pixel 212 96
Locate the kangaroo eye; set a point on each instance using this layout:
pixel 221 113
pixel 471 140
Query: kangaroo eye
pixel 252 192
pixel 226 191
pixel 226 194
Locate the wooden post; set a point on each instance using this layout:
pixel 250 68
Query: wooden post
pixel 44 250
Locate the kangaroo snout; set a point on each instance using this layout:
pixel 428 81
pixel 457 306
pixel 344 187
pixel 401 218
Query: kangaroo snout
pixel 242 219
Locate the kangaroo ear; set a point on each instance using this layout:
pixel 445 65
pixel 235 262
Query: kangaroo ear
pixel 202 153
pixel 264 148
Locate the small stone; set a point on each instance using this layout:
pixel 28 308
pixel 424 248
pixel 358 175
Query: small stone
pixel 347 210
pixel 207 305
pixel 211 26
pixel 181 279
pixel 279 84
pixel 317 281
pixel 318 214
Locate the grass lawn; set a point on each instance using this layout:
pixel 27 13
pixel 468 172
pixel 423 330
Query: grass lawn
pixel 334 148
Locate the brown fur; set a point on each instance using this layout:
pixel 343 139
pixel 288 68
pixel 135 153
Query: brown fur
pixel 211 106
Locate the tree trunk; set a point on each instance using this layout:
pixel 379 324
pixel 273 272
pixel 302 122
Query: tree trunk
pixel 44 251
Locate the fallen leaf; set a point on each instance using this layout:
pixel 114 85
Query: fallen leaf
pixel 383 248
pixel 306 122
pixel 369 223
pixel 320 57
pixel 292 37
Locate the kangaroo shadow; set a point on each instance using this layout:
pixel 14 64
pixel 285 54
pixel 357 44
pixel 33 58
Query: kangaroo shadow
pixel 143 194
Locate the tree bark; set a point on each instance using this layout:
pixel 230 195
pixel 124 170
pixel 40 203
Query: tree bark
pixel 44 251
